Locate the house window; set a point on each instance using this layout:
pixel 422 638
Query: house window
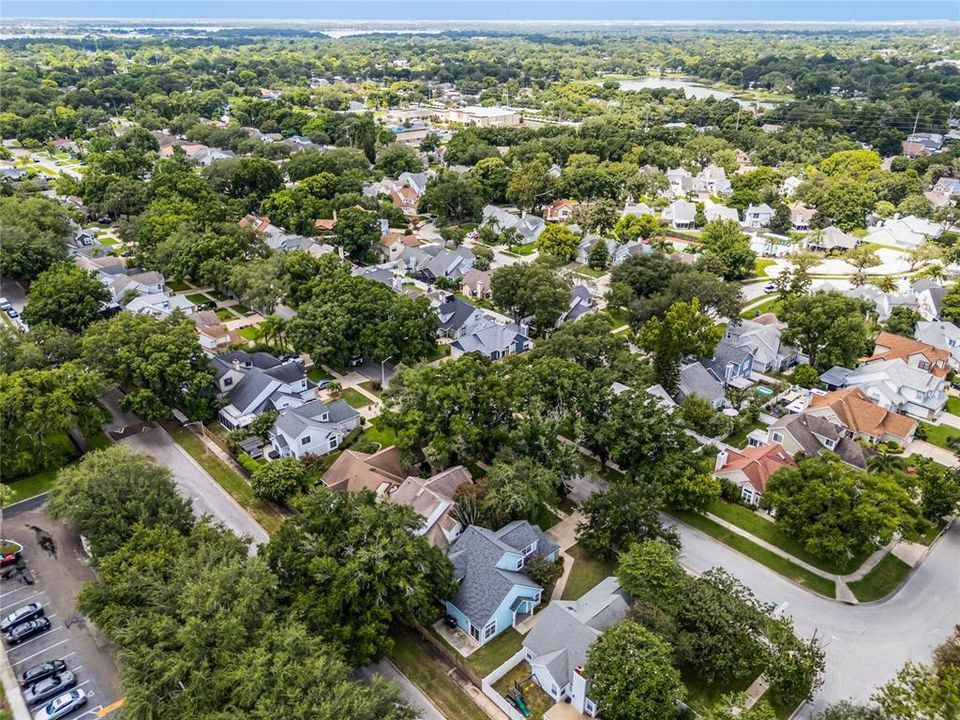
pixel 334 441
pixel 324 417
pixel 529 548
pixel 777 437
pixel 305 440
pixel 520 564
pixel 490 630
pixel 554 691
pixel 591 707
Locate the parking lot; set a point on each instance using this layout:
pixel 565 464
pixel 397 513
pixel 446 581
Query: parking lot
pixel 58 578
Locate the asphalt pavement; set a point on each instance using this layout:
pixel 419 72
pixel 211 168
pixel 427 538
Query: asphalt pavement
pixel 865 645
pixel 195 483
pixel 428 711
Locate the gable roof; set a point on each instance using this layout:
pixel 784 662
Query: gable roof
pixel 566 629
pixel 859 413
pixel 695 379
pixel 432 499
pixel 475 554
pixel 489 337
pixel 354 471
pixel 294 421
pixel 758 464
pixel 805 429
pixel 890 347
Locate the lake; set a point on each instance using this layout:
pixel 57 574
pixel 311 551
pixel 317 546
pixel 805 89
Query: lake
pixel 692 90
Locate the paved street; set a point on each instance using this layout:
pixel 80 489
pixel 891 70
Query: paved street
pixel 194 482
pixel 867 644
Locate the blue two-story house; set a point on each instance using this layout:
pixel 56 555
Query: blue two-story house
pixel 494 591
pixel 732 363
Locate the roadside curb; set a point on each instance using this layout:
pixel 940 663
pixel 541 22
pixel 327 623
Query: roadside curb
pixel 11 690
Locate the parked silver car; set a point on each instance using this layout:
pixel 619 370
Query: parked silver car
pixel 62 706
pixel 49 687
pixel 20 615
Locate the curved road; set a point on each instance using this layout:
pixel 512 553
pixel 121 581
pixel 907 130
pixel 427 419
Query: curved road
pixel 865 645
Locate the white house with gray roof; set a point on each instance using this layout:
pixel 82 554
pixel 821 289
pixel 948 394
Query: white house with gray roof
pixel 314 428
pixel 758 216
pixel 493 591
pixel 492 338
pixel 695 379
pixel 556 648
pixel 942 335
pixel 252 383
pixel 527 226
pixel 895 386
pixel 680 214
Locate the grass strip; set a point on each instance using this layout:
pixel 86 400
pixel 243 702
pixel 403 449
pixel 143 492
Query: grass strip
pixel 882 580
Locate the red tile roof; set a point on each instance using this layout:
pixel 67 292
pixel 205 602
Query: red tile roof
pixel 758 463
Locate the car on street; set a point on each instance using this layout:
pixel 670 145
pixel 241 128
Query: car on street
pixel 24 631
pixel 769 288
pixel 21 614
pixel 5 304
pixel 41 671
pixel 49 688
pixel 62 706
pixel 13 313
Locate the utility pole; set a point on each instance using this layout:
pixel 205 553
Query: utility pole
pixel 915 121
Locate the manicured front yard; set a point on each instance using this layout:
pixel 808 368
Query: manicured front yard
pixel 739 438
pixel 763 556
pixel 248 333
pixel 238 488
pixel 524 250
pixel 410 656
pixel 761 264
pixel 702 697
pixel 586 573
pixel 771 304
pixel 354 398
pixel 225 314
pixel 317 373
pixel 199 298
pixel 745 518
pixel 587 270
pixel 882 580
pixel 177 286
pixel 953 405
pixel 372 388
pixel 939 434
pixel 536 700
pixel 383 435
pixel 43 481
pixel 484 660
pixel 439 351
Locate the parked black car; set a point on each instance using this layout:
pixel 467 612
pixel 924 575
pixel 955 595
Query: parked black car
pixel 49 688
pixel 21 614
pixel 41 671
pixel 25 631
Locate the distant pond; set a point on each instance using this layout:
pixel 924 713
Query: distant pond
pixel 692 89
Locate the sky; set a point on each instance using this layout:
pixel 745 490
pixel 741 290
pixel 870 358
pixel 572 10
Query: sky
pixel 479 10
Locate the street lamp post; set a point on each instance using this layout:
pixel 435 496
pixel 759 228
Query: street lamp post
pixel 383 377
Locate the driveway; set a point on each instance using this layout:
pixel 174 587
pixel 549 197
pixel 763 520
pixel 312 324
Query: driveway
pixel 428 711
pixel 865 645
pixel 934 452
pixel 207 497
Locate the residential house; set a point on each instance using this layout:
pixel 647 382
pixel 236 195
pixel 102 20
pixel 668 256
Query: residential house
pixel 450 264
pixel 883 303
pixel 493 339
pixel 921 144
pixel 207 156
pixel 790 185
pixel 629 249
pixel 635 208
pixel 392 244
pixel 942 335
pixel 801 217
pixel 763 339
pixel 493 592
pixel 252 383
pixel 695 379
pixel 681 181
pixel 187 148
pixel 851 410
pixel 159 305
pixel 751 469
pixel 831 239
pixel 929 298
pixel 948 186
pixel 556 648
pixel 64 145
pixel 713 181
pixel 476 284
pixel 732 362
pixel 299 143
pixel 758 216
pixel 895 386
pixel 905 232
pixel 433 500
pixel 457 317
pixel 211 333
pixel 478 116
pixel 812 435
pixel 913 352
pixel 680 214
pixel 560 211
pixel 314 428
pixel 380 472
pixel 712 212
pixel 527 226
pixel 581 303
pixel 586 245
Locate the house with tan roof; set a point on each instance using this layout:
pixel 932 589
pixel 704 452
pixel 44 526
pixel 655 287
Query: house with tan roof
pixel 380 472
pixel 560 210
pixel 851 410
pixel 750 469
pixel 914 353
pixel 433 500
pixel 391 245
pixel 407 199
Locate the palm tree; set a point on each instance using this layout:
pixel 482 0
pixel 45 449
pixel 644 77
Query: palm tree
pixel 272 331
pixel 885 462
pixel 885 283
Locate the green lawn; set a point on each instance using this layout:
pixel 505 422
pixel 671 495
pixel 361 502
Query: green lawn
pixel 199 298
pixel 536 700
pixel 216 294
pixel 247 333
pixel 586 572
pixel 773 561
pixel 439 351
pixel 760 265
pixel 702 697
pixel 375 433
pixel 739 438
pixel 939 434
pixel 177 286
pixel 484 660
pixel 524 250
pixel 317 373
pixel 371 388
pixel 409 655
pixel 225 314
pixel 242 309
pixel 354 398
pixel 882 580
pixel 43 481
pixel 588 271
pixel 239 489
pixel 618 316
pixel 953 405
pixel 771 304
pixel 745 518
pixel 106 240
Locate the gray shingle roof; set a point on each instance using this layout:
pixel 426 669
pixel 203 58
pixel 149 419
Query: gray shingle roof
pixel 695 379
pixel 293 421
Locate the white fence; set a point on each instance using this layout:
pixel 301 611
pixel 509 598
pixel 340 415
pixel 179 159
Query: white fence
pixel 499 700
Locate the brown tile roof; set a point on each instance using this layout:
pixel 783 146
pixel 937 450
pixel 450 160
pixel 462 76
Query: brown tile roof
pixel 354 471
pixel 890 347
pixel 398 237
pixel 859 413
pixel 758 463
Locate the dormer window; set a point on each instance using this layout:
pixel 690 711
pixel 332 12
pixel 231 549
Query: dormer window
pixel 325 417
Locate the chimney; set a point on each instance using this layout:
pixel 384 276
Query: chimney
pixel 397 283
pixel 721 460
pixel 384 226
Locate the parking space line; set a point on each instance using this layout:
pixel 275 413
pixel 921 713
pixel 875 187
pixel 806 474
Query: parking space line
pixel 19 662
pixel 104 711
pixel 15 590
pixel 41 636
pixel 22 601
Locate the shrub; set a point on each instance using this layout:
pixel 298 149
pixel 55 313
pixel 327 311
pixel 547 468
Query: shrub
pixel 544 572
pixel 278 480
